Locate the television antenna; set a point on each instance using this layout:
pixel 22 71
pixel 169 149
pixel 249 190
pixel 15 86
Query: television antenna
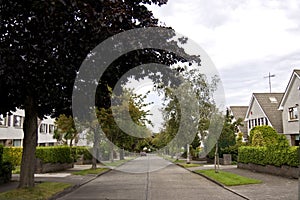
pixel 270 76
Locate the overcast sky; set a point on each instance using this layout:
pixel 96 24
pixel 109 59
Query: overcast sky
pixel 246 39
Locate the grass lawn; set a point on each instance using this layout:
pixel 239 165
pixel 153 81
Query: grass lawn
pixel 39 192
pixel 90 171
pixel 227 178
pixel 189 165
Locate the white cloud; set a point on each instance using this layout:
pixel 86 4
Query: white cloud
pixel 246 39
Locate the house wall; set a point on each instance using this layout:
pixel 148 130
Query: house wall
pixel 291 127
pixel 255 113
pixel 11 131
pixel 10 134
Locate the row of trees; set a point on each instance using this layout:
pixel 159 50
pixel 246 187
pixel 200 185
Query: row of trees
pixel 43 44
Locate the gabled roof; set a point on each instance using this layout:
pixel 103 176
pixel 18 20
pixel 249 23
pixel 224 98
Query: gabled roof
pixel 295 74
pixel 240 112
pixel 269 103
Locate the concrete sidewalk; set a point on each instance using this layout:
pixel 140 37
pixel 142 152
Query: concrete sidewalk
pixel 272 187
pixel 63 176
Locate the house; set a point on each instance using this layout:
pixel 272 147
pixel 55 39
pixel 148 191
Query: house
pixel 11 130
pixel 240 112
pixel 263 110
pixel 289 106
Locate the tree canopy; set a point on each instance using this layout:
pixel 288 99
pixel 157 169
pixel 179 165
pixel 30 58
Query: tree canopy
pixel 43 44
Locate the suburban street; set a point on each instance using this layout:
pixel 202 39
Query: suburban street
pixel 171 182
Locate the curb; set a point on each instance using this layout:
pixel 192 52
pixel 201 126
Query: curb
pixel 216 182
pixel 76 186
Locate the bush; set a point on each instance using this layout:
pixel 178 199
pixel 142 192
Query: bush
pixel 79 151
pixel 13 155
pixel 263 136
pixel 5 168
pixel 56 154
pixel 271 155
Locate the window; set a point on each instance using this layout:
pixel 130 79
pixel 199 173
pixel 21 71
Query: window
pixel 51 128
pixel 3 120
pixel 293 113
pixel 273 100
pixel 43 128
pixel 18 120
pixel 249 124
pixel 17 143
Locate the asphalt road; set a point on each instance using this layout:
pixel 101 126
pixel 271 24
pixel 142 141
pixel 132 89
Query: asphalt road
pixel 170 182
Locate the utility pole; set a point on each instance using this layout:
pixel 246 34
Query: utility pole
pixel 270 76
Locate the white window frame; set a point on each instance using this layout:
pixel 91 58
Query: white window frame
pixel 293 113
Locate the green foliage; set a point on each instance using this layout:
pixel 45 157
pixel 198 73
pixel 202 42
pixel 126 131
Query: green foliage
pixel 13 155
pixel 65 130
pixel 5 168
pixel 57 154
pixel 79 151
pixel 271 155
pixel 263 136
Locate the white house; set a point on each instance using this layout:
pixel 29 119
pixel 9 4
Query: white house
pixel 263 110
pixel 240 112
pixel 289 106
pixel 11 130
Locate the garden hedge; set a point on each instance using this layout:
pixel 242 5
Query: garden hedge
pixel 57 154
pixel 53 154
pixel 78 151
pixel 270 155
pixel 5 168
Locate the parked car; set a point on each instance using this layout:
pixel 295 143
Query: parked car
pixel 143 153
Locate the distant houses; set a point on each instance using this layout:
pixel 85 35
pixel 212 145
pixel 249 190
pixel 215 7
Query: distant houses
pixel 11 130
pixel 278 110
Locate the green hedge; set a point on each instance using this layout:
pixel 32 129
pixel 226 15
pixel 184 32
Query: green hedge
pixel 13 155
pixel 57 154
pixel 78 151
pixel 5 168
pixel 270 155
pixel 54 154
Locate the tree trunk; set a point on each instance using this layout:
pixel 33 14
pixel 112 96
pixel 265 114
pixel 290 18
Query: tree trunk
pixel 121 154
pixel 111 152
pixel 95 147
pixel 29 144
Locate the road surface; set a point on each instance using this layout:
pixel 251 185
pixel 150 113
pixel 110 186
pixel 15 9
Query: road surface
pixel 171 182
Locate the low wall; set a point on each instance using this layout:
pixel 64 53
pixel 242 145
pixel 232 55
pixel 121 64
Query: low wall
pixel 285 171
pixel 51 167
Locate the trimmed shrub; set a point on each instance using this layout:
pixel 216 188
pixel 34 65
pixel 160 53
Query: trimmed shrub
pixel 271 155
pixel 5 168
pixel 79 151
pixel 263 136
pixel 56 154
pixel 13 155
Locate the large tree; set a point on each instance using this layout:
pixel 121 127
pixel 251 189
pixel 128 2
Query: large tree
pixel 43 44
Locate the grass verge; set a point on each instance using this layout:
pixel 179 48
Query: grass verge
pixel 41 191
pixel 185 165
pixel 90 171
pixel 227 178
